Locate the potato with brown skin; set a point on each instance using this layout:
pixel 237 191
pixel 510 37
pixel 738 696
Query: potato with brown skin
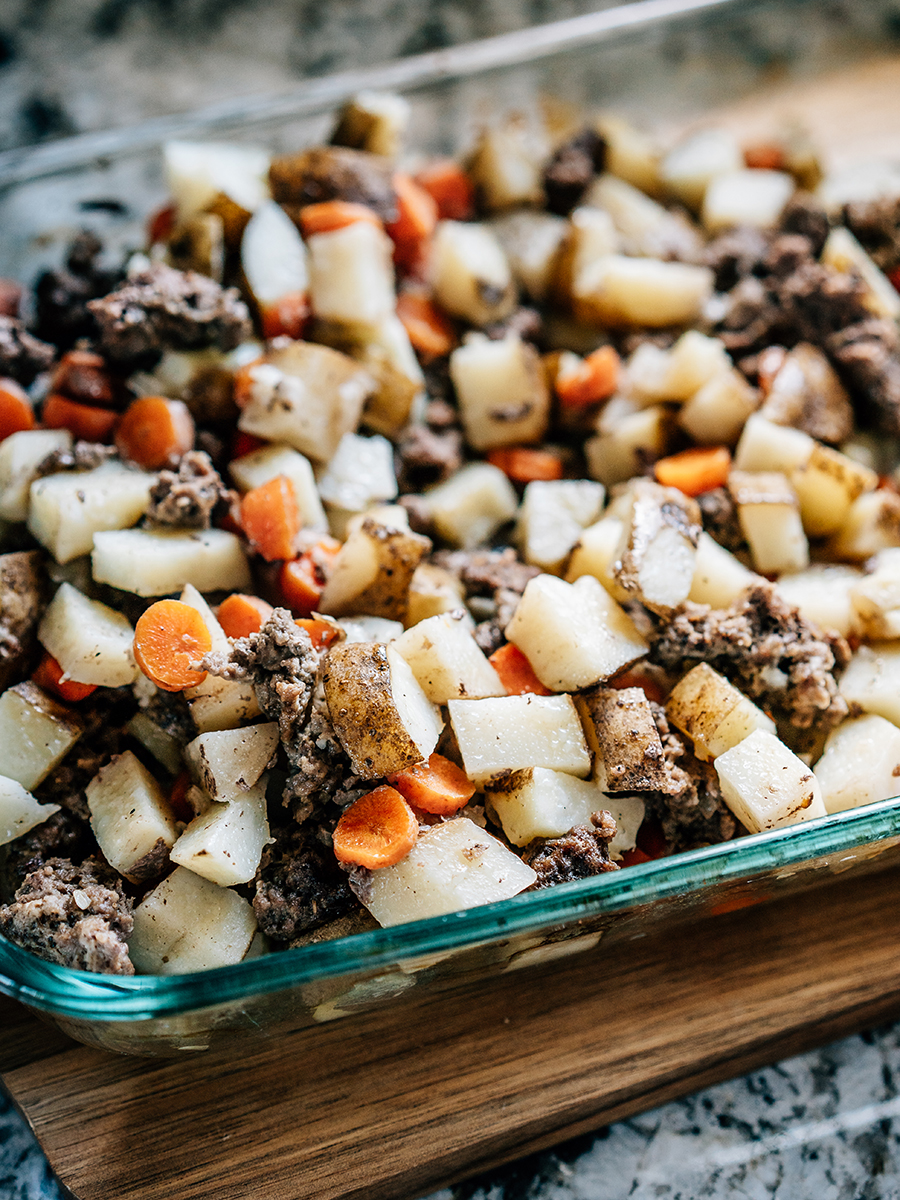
pixel 629 749
pixel 373 572
pixel 23 593
pixel 659 545
pixel 332 173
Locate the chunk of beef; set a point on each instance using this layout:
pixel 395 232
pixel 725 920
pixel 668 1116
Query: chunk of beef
pixel 876 223
pixel 62 835
pixel 735 254
pixel 578 854
pixel 805 215
pixel 321 767
pixel 62 296
pixel 571 169
pixel 866 353
pixel 77 916
pixel 84 456
pixel 191 496
pixel 720 519
pixel 164 309
pixel 299 886
pixel 22 357
pixel 427 456
pixel 495 575
pixel 333 173
pixel 23 593
pixel 772 653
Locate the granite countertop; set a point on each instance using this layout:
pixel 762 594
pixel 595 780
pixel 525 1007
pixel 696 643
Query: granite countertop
pixel 817 1127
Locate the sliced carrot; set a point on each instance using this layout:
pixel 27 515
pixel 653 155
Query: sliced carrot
pixel 332 215
pixel 241 615
pixel 178 801
pixel 321 633
pixel 516 672
pixel 596 378
pixel 286 317
pixel 161 224
pixel 155 431
pixel 696 470
pixel 16 413
pixel 270 516
pixel 84 376
pixel 49 675
pixel 378 830
pixel 169 638
pixel 301 585
pixel 417 216
pixel 10 297
pixel 429 331
pixel 635 677
pixel 84 421
pixel 451 188
pixel 244 380
pixel 435 786
pixel 766 156
pixel 522 464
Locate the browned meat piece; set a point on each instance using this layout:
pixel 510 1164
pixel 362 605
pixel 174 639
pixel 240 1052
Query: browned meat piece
pixel 495 575
pixel 571 169
pixel 333 173
pixel 877 225
pixel 321 767
pixel 22 357
pixel 735 254
pixel 720 519
pixel 190 497
pixel 578 854
pixel 867 355
pixel 804 214
pixel 427 456
pixel 162 308
pixel 84 456
pixel 62 835
pixel 62 296
pixel 299 886
pixel 772 653
pixel 23 592
pixel 75 916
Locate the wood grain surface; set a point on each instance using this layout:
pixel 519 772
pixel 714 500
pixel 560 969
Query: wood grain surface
pixel 399 1102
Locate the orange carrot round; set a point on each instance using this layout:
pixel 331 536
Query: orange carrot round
pixel 436 786
pixel 285 317
pixel 767 156
pixel 516 672
pixel 378 830
pixel 596 378
pixel 16 413
pixel 271 518
pixel 417 216
pixel 430 332
pixel 695 471
pixel 85 421
pixel 522 464
pixel 154 431
pixel 168 639
pixel 321 633
pixel 332 215
pixel 451 188
pixel 241 615
pixel 84 376
pixel 49 675
pixel 300 585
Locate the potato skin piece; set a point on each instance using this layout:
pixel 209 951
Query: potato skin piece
pixel 357 682
pixel 628 740
pixel 23 593
pixel 332 173
pixel 387 595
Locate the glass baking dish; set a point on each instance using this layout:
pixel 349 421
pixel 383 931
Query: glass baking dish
pixel 662 60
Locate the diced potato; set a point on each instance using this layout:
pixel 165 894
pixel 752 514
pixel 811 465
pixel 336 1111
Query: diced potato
pixel 217 703
pixel 506 165
pixel 380 713
pixel 713 713
pixel 228 763
pixel 719 577
pixel 746 197
pixel 624 448
pixel 765 446
pixel 159 562
pixel 512 733
pixel 595 552
pixel 472 505
pixel 875 598
pixel 198 172
pixel 766 786
pixel 694 361
pixel 860 764
pixel 872 524
pixel 351 273
pixel 628 749
pixel 447 661
pixel 66 510
pixel 823 594
pixel 843 252
pixel 552 518
pixel 503 395
pixel 259 466
pixel 532 241
pixel 374 121
pixel 391 405
pixel 826 486
pixel 19 811
pixel 432 590
pixel 689 168
pixel 631 154
pixel 657 554
pixel 23 593
pixel 131 818
pixel 189 924
pixel 360 473
pixel 573 634
pixel 807 394
pixel 470 273
pixel 769 516
pixel 273 256
pixel 373 571
pixel 370 629
pixel 644 225
pixel 539 803
pixel 225 843
pixel 306 395
pixel 871 681
pixel 452 866
pixel 590 235
pixel 716 414
pixel 620 292
pixel 36 733
pixel 164 746
pixel 646 376
pixel 90 641
pixel 20 455
pixel 198 243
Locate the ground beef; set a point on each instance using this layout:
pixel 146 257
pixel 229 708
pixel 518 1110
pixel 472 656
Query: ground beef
pixel 877 225
pixel 427 456
pixel 22 357
pixel 299 886
pixel 735 254
pixel 164 309
pixel 321 767
pixel 75 916
pixel 498 576
pixel 84 456
pixel 777 657
pixel 571 169
pixel 720 519
pixel 333 173
pixel 189 497
pixel 866 354
pixel 62 296
pixel 578 854
pixel 169 712
pixel 62 835
pixel 805 215
pixel 526 322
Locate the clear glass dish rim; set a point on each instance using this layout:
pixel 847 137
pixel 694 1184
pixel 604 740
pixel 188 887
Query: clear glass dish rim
pixel 78 994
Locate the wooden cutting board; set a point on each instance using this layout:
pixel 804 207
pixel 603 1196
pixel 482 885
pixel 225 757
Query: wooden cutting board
pixel 400 1102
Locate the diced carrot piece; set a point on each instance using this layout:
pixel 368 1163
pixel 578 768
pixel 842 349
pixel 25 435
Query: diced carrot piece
pixel 894 277
pixel 516 672
pixel 241 615
pixel 435 786
pixel 49 675
pixel 10 297
pixel 178 797
pixel 766 156
pixel 696 470
pixel 321 633
pixel 378 830
pixel 635 677
pixel 169 638
pixel 429 331
pixel 244 443
pixel 271 518
pixel 161 224
pixel 596 379
pixel 243 383
pixel 84 421
pixel 84 376
pixel 332 215
pixel 287 317
pixel 155 431
pixel 300 585
pixel 16 413
pixel 631 858
pixel 417 217
pixel 451 188
pixel 522 464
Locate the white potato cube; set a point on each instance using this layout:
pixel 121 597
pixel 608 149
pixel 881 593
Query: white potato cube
pixel 20 455
pixel 717 413
pixel 689 168
pixel 644 225
pixel 360 473
pixel 553 516
pixel 843 252
pixel 512 733
pixel 259 466
pixel 621 292
pixel 198 172
pixel 596 552
pixel 713 713
pixel 432 590
pixel 631 153
pixel 826 486
pixel 225 843
pixel 531 240
pixel 228 763
pixel 693 361
pixel 351 274
pixel 189 924
pixel 374 121
pixel 875 597
pixel 746 197
pixel 131 818
pixel 622 449
pixel 502 391
pixel 36 733
pixel 506 165
pixel 871 681
pixel 273 256
pixel 152 562
pixel 90 641
pixel 591 235
pixel 539 803
pixel 472 505
pixel 451 867
pixel 769 516
pixel 19 811
pixel 872 525
pixel 766 786
pixel 66 510
pixel 765 446
pixel 860 764
pixel 719 577
pixel 447 661
pixel 823 594
pixel 373 570
pixel 471 275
